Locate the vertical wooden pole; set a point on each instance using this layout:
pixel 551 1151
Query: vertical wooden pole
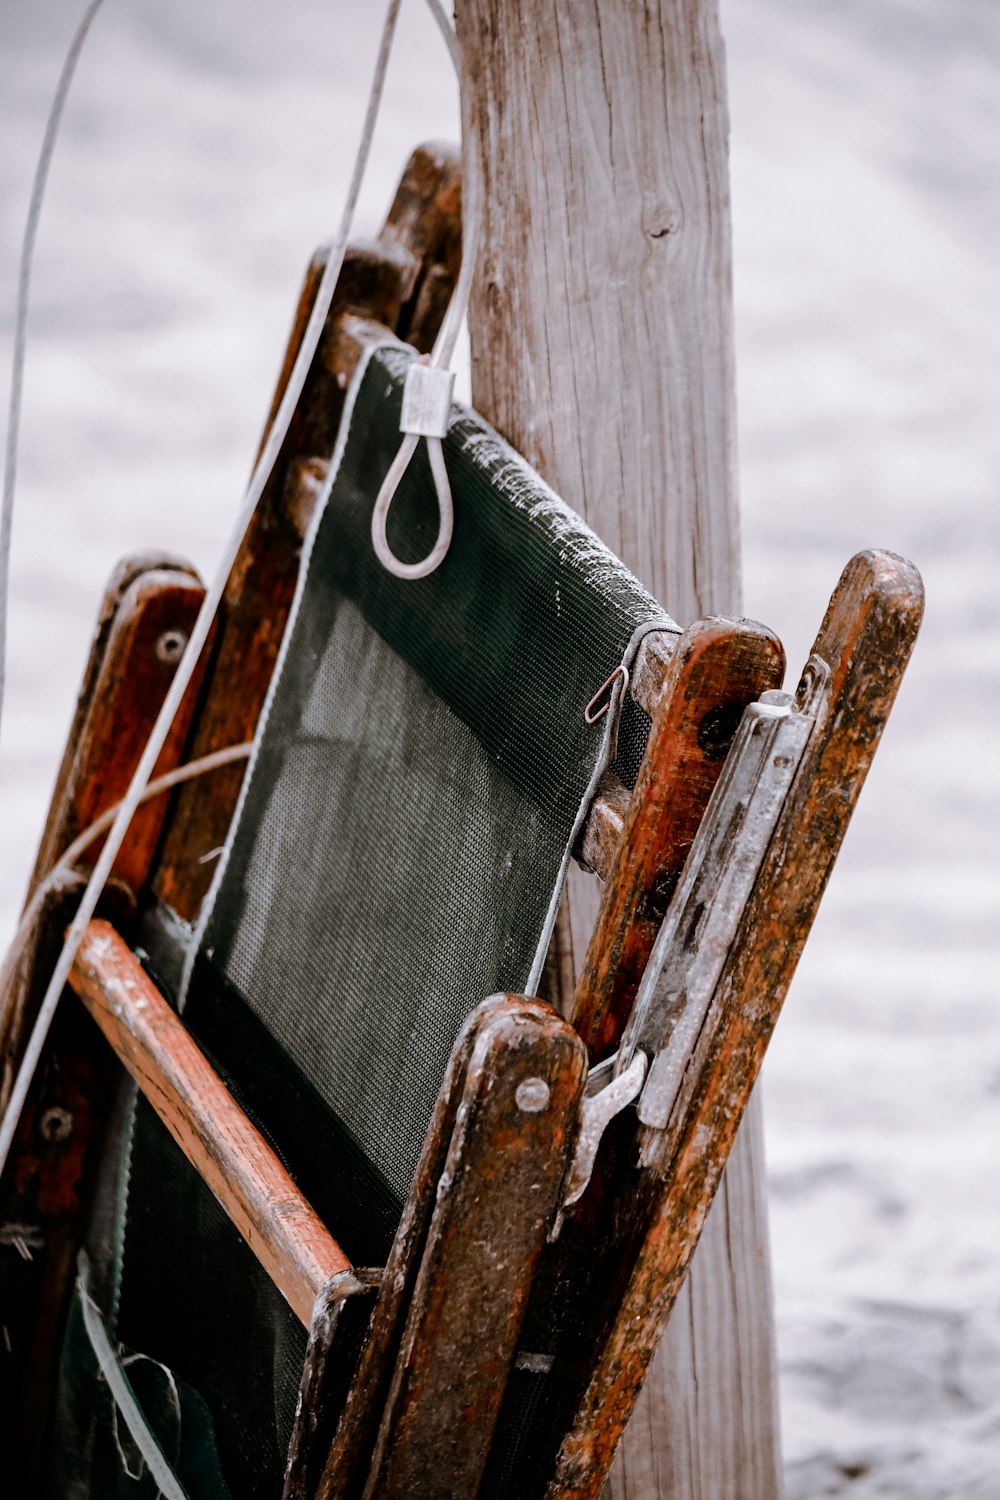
pixel 602 347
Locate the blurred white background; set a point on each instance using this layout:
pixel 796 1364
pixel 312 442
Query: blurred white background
pixel 205 152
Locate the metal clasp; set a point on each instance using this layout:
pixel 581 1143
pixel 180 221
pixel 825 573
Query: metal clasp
pixel 588 713
pixel 599 1109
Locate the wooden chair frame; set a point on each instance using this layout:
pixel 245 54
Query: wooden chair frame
pixel 406 1369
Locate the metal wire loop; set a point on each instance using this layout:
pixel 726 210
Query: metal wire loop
pixel 591 713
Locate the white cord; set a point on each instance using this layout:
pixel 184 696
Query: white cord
pixel 386 495
pixel 441 356
pixel 21 319
pixel 64 864
pixel 206 615
pixel 446 29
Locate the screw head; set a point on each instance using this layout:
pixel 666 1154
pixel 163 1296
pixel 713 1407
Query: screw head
pixel 170 646
pixel 56 1125
pixel 532 1096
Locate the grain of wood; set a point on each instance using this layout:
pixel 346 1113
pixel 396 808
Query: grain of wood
pixel 602 347
pixel 215 1135
pixel 718 668
pixel 847 688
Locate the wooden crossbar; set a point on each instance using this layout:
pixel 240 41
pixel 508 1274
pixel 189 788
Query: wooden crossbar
pixel 280 1227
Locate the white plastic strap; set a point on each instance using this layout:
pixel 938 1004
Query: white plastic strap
pixel 427 394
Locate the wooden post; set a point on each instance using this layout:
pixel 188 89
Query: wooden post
pixel 602 347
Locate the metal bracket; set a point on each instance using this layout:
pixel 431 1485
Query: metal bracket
pixel 599 1109
pixel 677 989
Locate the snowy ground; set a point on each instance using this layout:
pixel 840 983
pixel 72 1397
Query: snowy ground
pixel 204 156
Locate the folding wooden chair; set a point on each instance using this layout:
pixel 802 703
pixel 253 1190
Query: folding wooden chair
pixel 486 1329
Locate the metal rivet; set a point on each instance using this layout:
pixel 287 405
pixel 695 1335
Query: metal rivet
pixel 532 1096
pixel 170 646
pixel 56 1125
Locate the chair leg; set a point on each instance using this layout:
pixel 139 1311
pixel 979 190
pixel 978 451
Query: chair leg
pixel 150 601
pixel 336 1336
pixel 487 1192
pixel 717 667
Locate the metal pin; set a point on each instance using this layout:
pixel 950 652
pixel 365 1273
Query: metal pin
pixel 532 1096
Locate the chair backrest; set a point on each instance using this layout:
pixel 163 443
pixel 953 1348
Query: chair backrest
pixel 421 772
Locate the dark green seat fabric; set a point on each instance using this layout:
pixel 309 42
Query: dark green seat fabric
pixel 420 773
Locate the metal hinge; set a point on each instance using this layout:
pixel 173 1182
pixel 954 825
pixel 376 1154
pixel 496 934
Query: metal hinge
pixel 600 1106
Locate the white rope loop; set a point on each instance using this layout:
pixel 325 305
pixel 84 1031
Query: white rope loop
pixel 440 360
pixel 386 495
pixel 426 412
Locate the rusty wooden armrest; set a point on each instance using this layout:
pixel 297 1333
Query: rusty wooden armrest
pixel 288 1238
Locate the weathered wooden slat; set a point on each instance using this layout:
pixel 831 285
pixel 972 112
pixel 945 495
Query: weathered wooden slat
pixel 716 668
pixel 133 660
pixel 645 1230
pixel 384 279
pixel 336 1337
pixel 147 611
pixel 286 1235
pixel 649 670
pixel 426 221
pixel 495 1202
pixel 347 1462
pixel 62 815
pixel 259 593
pixel 600 840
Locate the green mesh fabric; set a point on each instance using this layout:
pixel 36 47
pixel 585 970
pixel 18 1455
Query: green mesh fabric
pixel 423 765
pixel 421 771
